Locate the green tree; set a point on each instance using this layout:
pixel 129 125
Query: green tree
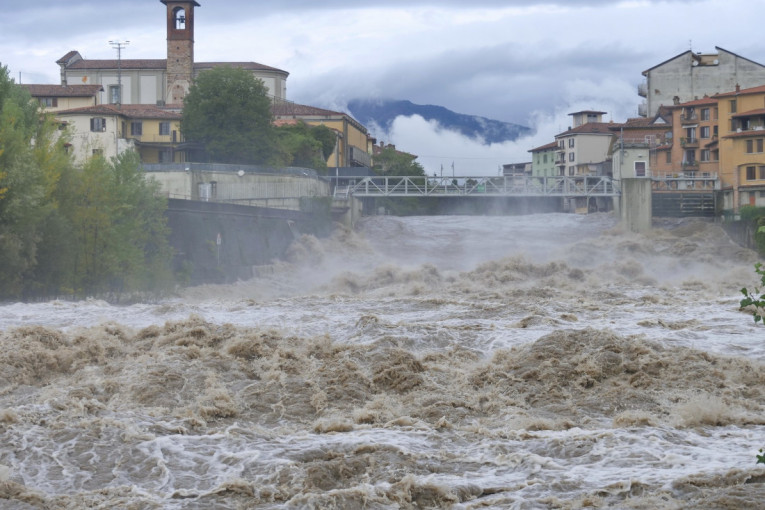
pixel 22 185
pixel 392 162
pixel 119 228
pixel 754 301
pixel 305 146
pixel 228 112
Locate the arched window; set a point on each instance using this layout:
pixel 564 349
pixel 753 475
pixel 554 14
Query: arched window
pixel 179 15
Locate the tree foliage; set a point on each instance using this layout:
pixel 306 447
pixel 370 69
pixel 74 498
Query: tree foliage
pixel 228 112
pixel 305 146
pixel 392 162
pixel 99 229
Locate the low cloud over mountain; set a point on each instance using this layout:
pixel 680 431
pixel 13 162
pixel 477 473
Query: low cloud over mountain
pixel 379 115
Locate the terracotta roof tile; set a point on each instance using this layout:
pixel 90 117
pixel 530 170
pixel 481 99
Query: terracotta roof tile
pixel 750 113
pixel 285 109
pixel 66 57
pixel 253 66
pixel 63 90
pixel 746 134
pixel 551 145
pixel 697 102
pixel 129 64
pixel 754 90
pixel 130 111
pixel 161 64
pixel 592 128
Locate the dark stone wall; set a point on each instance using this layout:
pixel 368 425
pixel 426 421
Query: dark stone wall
pixel 249 236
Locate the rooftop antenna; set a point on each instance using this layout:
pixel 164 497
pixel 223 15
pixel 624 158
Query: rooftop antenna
pixel 119 45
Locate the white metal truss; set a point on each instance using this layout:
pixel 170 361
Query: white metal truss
pixel 408 186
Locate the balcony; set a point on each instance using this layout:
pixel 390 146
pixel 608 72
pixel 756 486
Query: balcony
pixel 689 117
pixel 689 142
pixel 643 109
pixel 642 89
pixel 154 138
pixel 689 167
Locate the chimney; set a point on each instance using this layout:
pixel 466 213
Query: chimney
pixel 738 88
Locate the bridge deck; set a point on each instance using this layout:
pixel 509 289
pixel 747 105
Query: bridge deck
pixel 409 186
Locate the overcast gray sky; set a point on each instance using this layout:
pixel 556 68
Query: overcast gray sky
pixel 519 61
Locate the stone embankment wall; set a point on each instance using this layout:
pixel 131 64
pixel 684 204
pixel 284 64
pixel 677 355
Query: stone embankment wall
pixel 217 243
pixel 226 219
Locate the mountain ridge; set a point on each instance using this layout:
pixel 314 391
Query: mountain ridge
pixel 383 112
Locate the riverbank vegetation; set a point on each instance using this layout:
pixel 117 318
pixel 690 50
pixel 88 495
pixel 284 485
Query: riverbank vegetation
pixel 67 231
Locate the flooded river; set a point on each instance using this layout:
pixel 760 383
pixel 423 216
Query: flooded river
pixel 543 361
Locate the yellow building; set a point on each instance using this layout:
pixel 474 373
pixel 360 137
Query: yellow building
pixel 742 147
pixel 352 147
pixel 109 130
pixel 695 127
pixel 53 98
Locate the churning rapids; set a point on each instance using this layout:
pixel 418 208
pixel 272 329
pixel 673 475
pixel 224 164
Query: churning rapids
pixel 544 361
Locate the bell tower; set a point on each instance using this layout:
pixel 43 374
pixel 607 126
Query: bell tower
pixel 180 48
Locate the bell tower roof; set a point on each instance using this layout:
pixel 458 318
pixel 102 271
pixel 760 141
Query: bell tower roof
pixel 181 1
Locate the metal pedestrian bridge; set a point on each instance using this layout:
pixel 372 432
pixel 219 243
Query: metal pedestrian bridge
pixel 506 186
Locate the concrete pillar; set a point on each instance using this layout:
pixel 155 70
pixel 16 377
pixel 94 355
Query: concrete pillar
pixel 636 204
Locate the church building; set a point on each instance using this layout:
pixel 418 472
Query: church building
pixel 159 81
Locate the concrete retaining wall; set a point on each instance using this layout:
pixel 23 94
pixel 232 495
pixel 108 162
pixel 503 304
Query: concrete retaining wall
pixel 217 243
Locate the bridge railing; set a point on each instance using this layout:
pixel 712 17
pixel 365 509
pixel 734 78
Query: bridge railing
pixel 403 186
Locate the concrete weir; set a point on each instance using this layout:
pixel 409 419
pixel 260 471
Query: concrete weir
pixel 635 204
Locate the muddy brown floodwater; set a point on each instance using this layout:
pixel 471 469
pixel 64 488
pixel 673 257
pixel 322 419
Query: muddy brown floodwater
pixel 543 361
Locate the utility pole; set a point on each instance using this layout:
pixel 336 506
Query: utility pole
pixel 119 45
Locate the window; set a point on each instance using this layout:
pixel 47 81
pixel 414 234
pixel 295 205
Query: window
pixel 544 158
pixel 732 106
pixel 669 157
pixel 98 152
pixel 690 157
pixel 750 173
pixel 164 128
pixel 166 156
pixel 98 124
pixel 570 142
pixel 705 155
pixel 704 131
pixel 762 172
pixel 639 168
pixel 749 146
pixel 571 170
pixel 136 128
pixel 759 145
pixel 705 114
pixel 571 156
pixel 114 94
pixel 48 102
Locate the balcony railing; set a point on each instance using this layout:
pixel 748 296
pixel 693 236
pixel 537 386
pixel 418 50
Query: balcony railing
pixel 643 89
pixel 689 141
pixel 689 117
pixel 154 138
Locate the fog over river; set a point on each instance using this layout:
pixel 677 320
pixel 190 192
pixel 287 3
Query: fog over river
pixel 543 361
